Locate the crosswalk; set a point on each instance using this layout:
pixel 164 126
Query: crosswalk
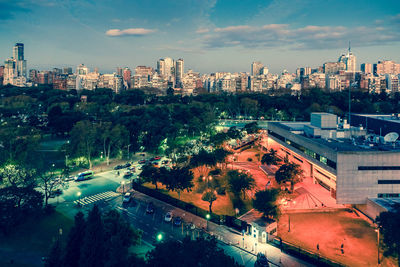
pixel 94 198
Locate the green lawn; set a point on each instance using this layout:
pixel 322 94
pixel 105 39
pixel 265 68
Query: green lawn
pixel 37 234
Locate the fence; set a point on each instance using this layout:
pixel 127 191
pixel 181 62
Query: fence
pixel 306 255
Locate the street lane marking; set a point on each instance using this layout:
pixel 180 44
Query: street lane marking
pixel 97 197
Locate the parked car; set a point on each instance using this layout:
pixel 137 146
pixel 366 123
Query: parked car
pixel 142 161
pixel 132 169
pixel 118 167
pixel 157 158
pixel 150 208
pixel 127 174
pixel 165 162
pixel 177 221
pixel 127 198
pixel 168 216
pixel 127 165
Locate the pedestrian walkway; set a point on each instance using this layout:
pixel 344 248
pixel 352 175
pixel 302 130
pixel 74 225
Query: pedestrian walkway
pixel 95 198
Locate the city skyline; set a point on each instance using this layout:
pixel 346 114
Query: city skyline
pixel 210 35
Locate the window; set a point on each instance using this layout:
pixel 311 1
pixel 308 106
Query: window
pixel 381 195
pixel 388 181
pixel 379 168
pixel 326 176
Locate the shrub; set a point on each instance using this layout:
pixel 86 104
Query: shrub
pixel 249 159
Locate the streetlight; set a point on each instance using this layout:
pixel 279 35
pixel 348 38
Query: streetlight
pixel 128 150
pixel 79 197
pixel 377 231
pixel 123 187
pixel 207 218
pixel 159 237
pixel 289 222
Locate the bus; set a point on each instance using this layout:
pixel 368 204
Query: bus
pixel 84 176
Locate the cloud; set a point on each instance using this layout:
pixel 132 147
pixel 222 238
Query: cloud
pixel 8 10
pixel 202 30
pixel 304 38
pixel 129 32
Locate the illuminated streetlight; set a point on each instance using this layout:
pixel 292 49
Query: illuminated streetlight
pixel 208 218
pixel 123 187
pixel 159 237
pixel 377 231
pixel 79 197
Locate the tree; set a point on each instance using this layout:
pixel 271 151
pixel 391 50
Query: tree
pixel 202 161
pixel 150 174
pixel 178 179
pixel 389 224
pixel 289 172
pixel 210 197
pixel 113 137
pixel 220 155
pixel 240 182
pixel 76 236
pixel 84 135
pixel 264 202
pixel 200 252
pixel 50 185
pixel 251 128
pixel 93 248
pixel 270 158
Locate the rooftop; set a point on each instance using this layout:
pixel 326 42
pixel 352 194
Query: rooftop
pixel 386 117
pixel 387 203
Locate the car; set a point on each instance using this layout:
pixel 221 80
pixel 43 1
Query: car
pixel 157 158
pixel 155 163
pixel 177 221
pixel 127 198
pixel 127 174
pixel 150 208
pixel 118 167
pixel 142 161
pixel 143 155
pixel 127 165
pixel 191 226
pixel 152 159
pixel 165 162
pixel 168 216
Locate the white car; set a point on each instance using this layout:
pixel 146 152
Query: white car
pixel 168 217
pixel 127 198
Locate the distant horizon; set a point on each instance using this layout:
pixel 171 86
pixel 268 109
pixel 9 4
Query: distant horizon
pixel 210 35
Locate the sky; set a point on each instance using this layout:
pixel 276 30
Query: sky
pixel 210 35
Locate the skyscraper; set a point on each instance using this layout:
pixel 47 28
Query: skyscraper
pixel 179 71
pixel 18 51
pixel 15 68
pixel 349 60
pixel 256 67
pixel 366 68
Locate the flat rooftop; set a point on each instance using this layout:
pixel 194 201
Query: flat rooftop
pixel 338 144
pixel 392 118
pixel 387 203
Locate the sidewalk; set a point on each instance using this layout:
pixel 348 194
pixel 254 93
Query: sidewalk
pixel 229 236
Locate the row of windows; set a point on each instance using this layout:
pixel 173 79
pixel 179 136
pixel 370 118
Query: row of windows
pixel 306 151
pixel 388 195
pixel 388 181
pixel 378 168
pixel 326 176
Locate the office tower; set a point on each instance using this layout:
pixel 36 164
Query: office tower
pixel 366 68
pixel 9 71
pixel 333 67
pixel 386 67
pixel 349 60
pixel 119 71
pixel 169 67
pixel 264 71
pixel 20 62
pixel 161 67
pixel 18 51
pixel 179 71
pixel 256 67
pixel 82 70
pixel 127 77
pixel 67 70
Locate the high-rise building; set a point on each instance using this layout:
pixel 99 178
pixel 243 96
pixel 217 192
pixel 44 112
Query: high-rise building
pixel 67 70
pixel 349 60
pixel 82 70
pixel 179 71
pixel 386 67
pixel 126 75
pixel 256 67
pixel 366 68
pixel 333 67
pixel 9 71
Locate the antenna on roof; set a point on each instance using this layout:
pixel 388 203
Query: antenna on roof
pixel 349 47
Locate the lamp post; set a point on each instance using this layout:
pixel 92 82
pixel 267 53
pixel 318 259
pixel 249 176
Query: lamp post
pixel 128 150
pixel 377 231
pixel 123 187
pixel 207 218
pixel 289 222
pixel 79 198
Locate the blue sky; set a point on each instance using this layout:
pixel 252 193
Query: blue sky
pixel 210 35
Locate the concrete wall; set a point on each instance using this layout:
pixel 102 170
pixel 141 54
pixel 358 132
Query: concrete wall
pixel 355 186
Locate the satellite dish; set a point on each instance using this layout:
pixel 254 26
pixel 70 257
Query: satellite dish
pixel 391 137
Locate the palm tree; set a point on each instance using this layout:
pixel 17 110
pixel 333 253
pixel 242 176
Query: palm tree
pixel 289 172
pixel 270 158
